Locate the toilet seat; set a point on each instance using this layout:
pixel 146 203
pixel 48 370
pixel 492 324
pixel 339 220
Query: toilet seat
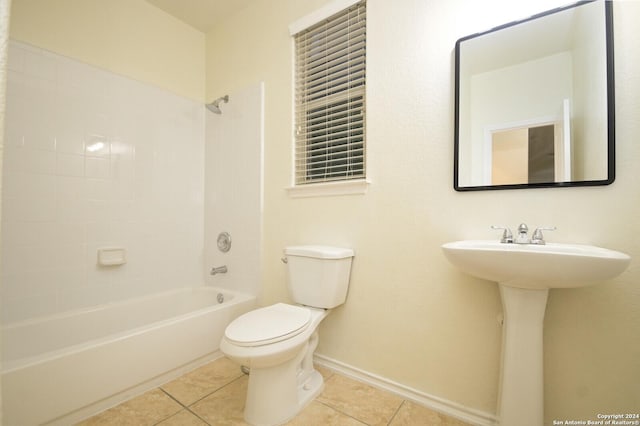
pixel 268 325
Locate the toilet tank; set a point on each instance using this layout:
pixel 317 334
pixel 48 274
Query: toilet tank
pixel 319 275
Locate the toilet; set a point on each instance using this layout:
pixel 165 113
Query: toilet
pixel 277 342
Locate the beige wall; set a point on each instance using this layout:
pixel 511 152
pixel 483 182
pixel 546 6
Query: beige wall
pixel 128 37
pixel 5 7
pixel 410 316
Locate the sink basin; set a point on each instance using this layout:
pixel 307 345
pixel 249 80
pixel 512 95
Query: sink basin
pixel 532 266
pixel 525 273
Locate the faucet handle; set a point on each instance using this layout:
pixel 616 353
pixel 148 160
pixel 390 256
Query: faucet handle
pixel 507 236
pixel 537 237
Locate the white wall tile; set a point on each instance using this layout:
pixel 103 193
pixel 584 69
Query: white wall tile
pixel 39 65
pixel 98 233
pixel 68 277
pixel 15 286
pixel 97 145
pixel 71 210
pixel 94 159
pixel 69 164
pixel 28 185
pixel 28 160
pixel 68 130
pixel 16 58
pixel 97 167
pixel 30 307
pixel 39 161
pixel 99 189
pixel 234 189
pixel 71 187
pixel 72 233
pixel 70 256
pixel 15 260
pixel 28 210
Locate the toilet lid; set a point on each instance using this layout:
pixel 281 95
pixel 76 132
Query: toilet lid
pixel 268 325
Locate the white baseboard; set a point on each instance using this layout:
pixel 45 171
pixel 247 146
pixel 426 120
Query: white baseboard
pixel 450 408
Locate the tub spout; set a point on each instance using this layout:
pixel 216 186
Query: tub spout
pixel 219 270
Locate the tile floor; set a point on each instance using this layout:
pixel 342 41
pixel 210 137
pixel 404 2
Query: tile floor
pixel 214 395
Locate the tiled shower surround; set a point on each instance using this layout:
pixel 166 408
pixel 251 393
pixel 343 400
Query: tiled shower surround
pixel 96 160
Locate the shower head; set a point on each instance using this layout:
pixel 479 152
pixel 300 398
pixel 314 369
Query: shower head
pixel 214 106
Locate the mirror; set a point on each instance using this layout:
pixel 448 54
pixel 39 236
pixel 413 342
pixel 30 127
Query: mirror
pixel 534 102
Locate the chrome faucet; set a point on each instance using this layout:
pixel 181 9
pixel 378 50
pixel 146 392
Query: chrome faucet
pixel 522 237
pixel 219 270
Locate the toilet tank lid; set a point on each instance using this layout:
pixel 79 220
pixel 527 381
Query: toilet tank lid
pixel 321 252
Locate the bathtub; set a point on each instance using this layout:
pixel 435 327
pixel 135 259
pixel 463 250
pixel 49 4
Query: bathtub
pixel 65 367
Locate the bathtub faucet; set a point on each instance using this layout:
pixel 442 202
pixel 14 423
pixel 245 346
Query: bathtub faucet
pixel 219 270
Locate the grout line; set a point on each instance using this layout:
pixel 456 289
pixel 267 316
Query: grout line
pixel 208 395
pixel 212 392
pixel 396 412
pixel 198 400
pixel 171 396
pixel 184 406
pixel 339 411
pixel 203 420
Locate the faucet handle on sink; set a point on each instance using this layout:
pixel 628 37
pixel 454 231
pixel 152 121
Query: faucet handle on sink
pixel 507 236
pixel 537 237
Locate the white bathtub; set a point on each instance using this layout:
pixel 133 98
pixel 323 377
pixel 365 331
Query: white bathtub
pixel 65 367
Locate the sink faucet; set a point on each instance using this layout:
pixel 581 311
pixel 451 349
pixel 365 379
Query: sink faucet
pixel 522 237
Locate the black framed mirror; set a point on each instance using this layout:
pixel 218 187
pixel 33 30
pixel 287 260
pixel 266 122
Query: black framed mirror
pixel 534 102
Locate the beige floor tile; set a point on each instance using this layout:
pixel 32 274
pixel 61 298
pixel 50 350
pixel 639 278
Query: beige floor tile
pixel 317 414
pixel 216 394
pixel 146 409
pixel 225 406
pixel 202 381
pixel 360 401
pixel 183 418
pixel 411 414
pixel 325 372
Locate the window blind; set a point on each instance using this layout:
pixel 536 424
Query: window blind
pixel 330 59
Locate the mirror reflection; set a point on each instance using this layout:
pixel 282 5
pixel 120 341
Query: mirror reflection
pixel 534 102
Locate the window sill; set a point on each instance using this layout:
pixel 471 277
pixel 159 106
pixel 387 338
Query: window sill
pixel 327 189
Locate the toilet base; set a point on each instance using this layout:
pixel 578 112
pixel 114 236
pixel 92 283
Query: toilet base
pixel 274 396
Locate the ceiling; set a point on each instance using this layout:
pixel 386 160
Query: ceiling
pixel 203 15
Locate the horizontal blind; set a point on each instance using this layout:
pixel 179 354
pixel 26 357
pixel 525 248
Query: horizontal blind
pixel 330 98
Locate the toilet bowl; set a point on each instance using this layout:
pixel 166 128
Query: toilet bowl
pixel 277 342
pixel 282 380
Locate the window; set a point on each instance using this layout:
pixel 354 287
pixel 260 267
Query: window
pixel 330 58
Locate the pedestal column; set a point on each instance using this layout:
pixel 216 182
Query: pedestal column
pixel 521 398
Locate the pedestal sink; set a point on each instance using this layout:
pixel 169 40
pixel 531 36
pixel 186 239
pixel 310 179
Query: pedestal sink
pixel 525 273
